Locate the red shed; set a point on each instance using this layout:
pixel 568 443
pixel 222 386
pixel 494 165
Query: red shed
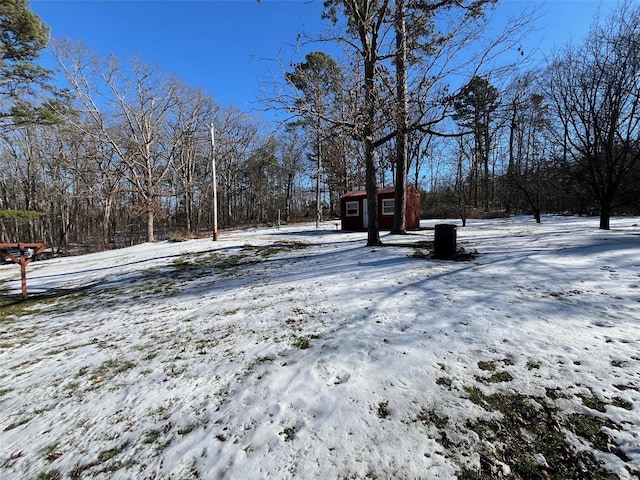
pixel 353 209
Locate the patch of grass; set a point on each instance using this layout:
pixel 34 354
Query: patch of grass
pixel 201 264
pixel 202 344
pixel 185 262
pixel 530 437
pixel 430 417
pixel 301 342
pixel 226 262
pixel 618 402
pixel 593 402
pixel 112 467
pixel 586 426
pixel 487 366
pixel 475 395
pixel 50 452
pixel 162 412
pixel 163 445
pixel 27 363
pixel 4 391
pixel 496 377
pixel 530 427
pixel 591 428
pixel 556 393
pixel 187 429
pixel 469 474
pixel 72 387
pixel 11 308
pixel 275 248
pixel 111 368
pixel 65 349
pixel 257 361
pixel 17 423
pixel 491 365
pixel 444 382
pixel 50 475
pixel 78 471
pixel 15 307
pixel 151 436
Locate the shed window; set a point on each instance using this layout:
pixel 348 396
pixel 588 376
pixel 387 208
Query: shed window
pixel 387 206
pixel 353 209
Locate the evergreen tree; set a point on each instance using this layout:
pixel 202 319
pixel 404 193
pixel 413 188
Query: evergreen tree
pixel 22 36
pixel 474 107
pixel 319 81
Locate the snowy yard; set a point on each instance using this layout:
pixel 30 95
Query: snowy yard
pixel 296 353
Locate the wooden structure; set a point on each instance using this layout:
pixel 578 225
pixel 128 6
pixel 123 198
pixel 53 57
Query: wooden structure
pixel 27 254
pixel 353 209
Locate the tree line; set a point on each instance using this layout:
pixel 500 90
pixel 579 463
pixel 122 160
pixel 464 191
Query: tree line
pixel 120 153
pixel 561 137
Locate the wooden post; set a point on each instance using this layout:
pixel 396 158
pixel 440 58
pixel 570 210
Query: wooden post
pixel 22 260
pixel 23 271
pixel 214 183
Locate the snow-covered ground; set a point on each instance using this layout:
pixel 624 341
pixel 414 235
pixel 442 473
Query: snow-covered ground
pixel 302 353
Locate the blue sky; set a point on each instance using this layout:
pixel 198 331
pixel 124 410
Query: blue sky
pixel 224 46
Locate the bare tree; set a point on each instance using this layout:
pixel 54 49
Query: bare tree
pixel 595 89
pixel 290 156
pixel 531 148
pixel 189 144
pixel 368 25
pixel 238 136
pixel 22 186
pixel 128 112
pixel 418 38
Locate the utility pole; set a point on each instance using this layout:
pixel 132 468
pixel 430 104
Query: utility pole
pixel 214 180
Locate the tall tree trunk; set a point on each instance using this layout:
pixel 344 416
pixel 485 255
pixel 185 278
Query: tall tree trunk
pixel 399 211
pixel 369 44
pixel 150 221
pixel 605 213
pixel 288 197
pixel 106 222
pixel 373 228
pixel 486 180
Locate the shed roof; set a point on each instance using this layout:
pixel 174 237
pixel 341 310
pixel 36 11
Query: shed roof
pixel 363 193
pixel 385 190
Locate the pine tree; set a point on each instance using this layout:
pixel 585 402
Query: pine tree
pixel 474 106
pixel 22 36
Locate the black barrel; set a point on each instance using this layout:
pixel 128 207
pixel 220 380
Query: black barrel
pixel 444 241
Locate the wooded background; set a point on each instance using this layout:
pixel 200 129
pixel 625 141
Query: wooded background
pixel 108 153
